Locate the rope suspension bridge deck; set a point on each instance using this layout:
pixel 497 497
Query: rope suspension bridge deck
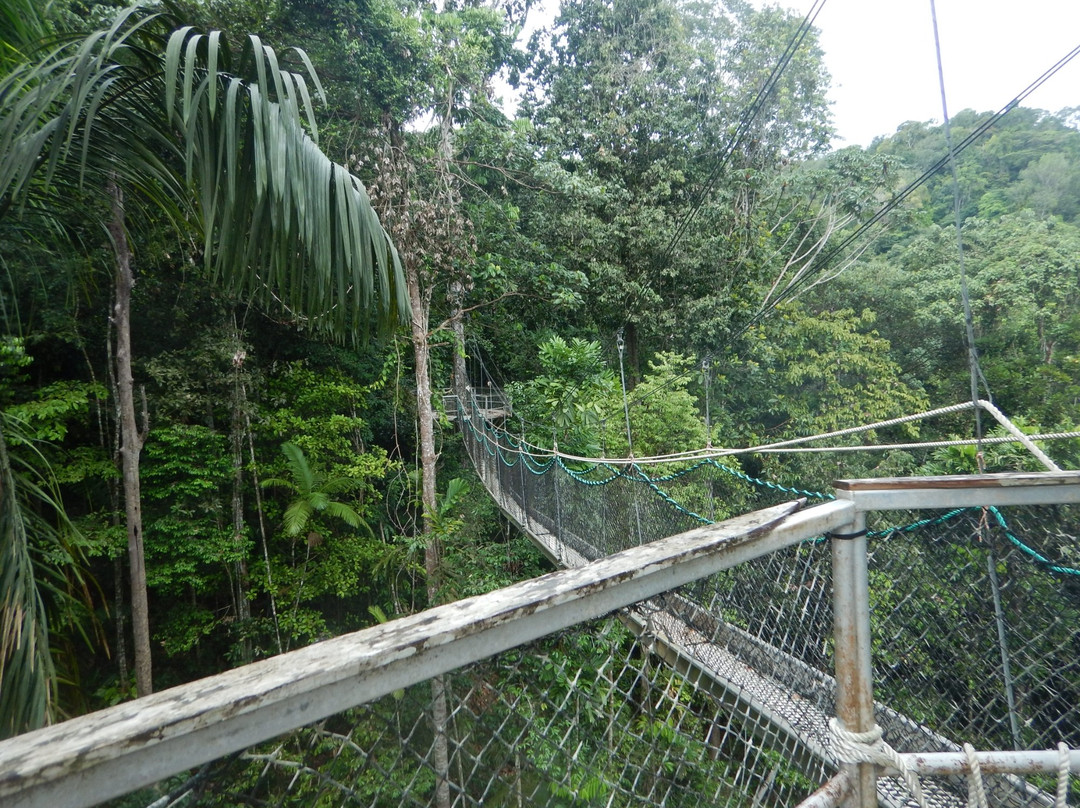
pixel 789 695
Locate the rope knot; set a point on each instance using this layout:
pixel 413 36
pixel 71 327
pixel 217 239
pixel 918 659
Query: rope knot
pixel 869 747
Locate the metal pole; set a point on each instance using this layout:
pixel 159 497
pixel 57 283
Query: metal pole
pixel 626 405
pixel 558 503
pixel 830 795
pixel 629 438
pixel 705 369
pixel 521 463
pixel 1003 642
pixel 851 634
pixel 947 764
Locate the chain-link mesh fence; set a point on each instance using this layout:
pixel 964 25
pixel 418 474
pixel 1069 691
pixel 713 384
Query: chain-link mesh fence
pixel 588 716
pixel 718 692
pixel 714 694
pixel 975 613
pixel 976 624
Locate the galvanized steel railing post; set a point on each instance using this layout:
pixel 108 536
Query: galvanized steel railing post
pixel 521 474
pixel 851 636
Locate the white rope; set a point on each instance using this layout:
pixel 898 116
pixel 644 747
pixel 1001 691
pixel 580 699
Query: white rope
pixel 930 444
pixel 544 454
pixel 869 747
pixel 698 454
pixel 1062 800
pixel 976 789
pixel 792 446
pixel 999 416
pixel 919 416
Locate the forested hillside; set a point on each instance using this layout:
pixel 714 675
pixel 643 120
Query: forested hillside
pixel 214 357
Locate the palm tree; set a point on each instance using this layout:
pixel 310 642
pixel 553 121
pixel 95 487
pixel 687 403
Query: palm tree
pixel 26 665
pixel 150 111
pixel 314 492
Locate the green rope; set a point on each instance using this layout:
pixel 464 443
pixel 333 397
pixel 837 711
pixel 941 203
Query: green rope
pixel 494 446
pixel 1046 562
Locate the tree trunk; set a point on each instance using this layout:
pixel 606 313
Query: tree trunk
pixel 457 324
pixel 243 605
pixel 421 303
pixel 131 443
pixel 114 507
pixel 262 527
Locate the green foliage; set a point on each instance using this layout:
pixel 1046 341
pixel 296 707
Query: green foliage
pixel 330 561
pixel 996 457
pixel 47 416
pixel 279 207
pixel 26 668
pixel 1025 296
pixel 806 373
pixel 320 409
pixel 313 492
pixel 664 415
pixel 188 472
pixel 479 556
pixel 809 373
pixel 43 584
pixel 1029 159
pixel 577 221
pixel 634 106
pixel 191 546
pixel 566 401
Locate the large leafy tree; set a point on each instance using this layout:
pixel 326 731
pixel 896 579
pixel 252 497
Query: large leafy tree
pixel 663 141
pixel 146 112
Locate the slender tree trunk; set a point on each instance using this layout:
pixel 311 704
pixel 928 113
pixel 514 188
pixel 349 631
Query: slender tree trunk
pixel 243 605
pixel 131 443
pixel 262 527
pixel 457 324
pixel 426 418
pixel 114 506
pixel 121 626
pixel 420 304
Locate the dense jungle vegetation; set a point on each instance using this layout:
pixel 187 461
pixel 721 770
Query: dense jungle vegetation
pixel 217 439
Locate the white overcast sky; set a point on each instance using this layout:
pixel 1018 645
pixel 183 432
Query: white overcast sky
pixel 881 57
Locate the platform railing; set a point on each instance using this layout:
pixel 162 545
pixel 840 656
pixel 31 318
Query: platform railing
pixel 103 755
pixel 857 648
pixel 95 757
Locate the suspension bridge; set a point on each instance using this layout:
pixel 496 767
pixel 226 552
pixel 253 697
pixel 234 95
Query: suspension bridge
pixel 896 642
pixel 783 686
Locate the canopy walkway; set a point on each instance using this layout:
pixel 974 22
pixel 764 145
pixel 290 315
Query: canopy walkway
pixel 712 640
pixel 775 676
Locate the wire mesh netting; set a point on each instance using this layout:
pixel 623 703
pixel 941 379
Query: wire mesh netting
pixel 588 716
pixel 976 623
pixel 975 612
pixel 716 693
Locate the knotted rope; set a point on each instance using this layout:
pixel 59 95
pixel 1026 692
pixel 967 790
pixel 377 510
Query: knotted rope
pixel 869 747
pixel 1062 800
pixel 976 789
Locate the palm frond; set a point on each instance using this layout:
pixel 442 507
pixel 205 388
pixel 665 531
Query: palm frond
pixel 26 667
pixel 297 516
pixel 303 478
pixel 21 26
pixel 169 113
pixel 277 482
pixel 339 510
pixel 302 231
